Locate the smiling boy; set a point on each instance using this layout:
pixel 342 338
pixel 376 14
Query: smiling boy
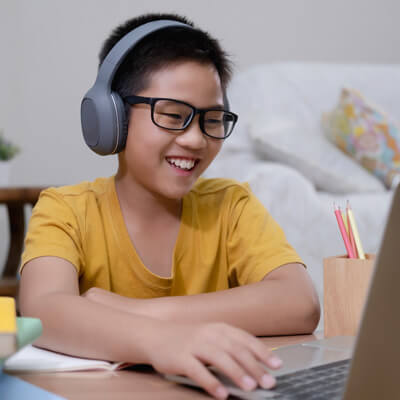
pixel 157 265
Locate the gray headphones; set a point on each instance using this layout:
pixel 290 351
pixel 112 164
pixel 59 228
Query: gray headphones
pixel 103 116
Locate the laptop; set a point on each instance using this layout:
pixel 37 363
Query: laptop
pixel 346 368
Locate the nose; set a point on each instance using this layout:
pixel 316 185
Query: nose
pixel 192 137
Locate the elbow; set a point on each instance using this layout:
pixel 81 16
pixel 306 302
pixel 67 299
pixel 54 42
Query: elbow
pixel 311 314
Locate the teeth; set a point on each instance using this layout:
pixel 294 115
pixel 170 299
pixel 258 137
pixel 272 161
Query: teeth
pixel 179 162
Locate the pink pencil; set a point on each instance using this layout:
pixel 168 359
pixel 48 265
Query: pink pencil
pixel 342 229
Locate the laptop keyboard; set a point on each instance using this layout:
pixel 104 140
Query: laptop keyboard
pixel 325 382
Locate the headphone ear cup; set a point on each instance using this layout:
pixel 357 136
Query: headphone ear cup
pixel 121 122
pixel 104 122
pixel 101 120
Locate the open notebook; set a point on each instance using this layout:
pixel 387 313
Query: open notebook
pixel 31 359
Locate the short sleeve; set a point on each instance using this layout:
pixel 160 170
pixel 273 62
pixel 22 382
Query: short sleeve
pixel 256 243
pixel 53 230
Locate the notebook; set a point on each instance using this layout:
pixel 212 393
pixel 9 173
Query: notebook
pixel 369 367
pixel 31 359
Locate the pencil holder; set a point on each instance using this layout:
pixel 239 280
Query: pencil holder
pixel 346 282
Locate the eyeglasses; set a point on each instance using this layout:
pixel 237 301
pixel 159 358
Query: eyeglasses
pixel 176 115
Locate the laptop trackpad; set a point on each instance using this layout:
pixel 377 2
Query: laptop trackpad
pixel 313 353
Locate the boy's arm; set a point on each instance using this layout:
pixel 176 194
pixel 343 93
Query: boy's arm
pixel 49 291
pixel 75 325
pixel 284 302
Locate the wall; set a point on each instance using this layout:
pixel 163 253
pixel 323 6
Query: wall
pixel 49 59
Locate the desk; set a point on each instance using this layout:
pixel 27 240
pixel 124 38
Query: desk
pixel 143 384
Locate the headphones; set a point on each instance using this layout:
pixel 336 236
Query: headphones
pixel 103 119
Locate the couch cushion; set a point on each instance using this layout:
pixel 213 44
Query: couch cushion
pixel 367 134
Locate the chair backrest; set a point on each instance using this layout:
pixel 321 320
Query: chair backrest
pixel 15 199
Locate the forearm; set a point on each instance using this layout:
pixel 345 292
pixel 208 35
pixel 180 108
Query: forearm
pixel 77 326
pixel 260 308
pixel 272 307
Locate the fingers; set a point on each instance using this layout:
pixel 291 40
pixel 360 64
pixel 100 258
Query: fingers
pixel 225 363
pixel 196 371
pixel 259 349
pixel 249 362
pixel 243 359
pixel 241 367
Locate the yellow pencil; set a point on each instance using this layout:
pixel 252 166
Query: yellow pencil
pixel 355 233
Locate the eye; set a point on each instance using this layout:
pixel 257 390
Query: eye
pixel 172 116
pixel 213 121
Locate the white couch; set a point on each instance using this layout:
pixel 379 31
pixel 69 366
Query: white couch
pixel 279 148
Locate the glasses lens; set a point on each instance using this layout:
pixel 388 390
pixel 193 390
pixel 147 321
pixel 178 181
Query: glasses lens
pixel 170 114
pixel 218 123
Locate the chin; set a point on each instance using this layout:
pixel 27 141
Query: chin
pixel 177 192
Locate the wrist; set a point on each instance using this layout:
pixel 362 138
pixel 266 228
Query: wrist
pixel 148 342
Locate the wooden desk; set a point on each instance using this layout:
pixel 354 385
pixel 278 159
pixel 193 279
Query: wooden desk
pixel 143 384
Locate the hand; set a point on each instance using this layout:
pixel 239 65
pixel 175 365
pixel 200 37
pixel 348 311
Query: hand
pixel 185 349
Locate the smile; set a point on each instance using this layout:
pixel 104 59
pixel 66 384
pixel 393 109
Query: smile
pixel 182 163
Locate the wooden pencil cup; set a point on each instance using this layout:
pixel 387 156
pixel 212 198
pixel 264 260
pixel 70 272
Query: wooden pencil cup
pixel 346 282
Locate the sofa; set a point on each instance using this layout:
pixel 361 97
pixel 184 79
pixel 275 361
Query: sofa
pixel 280 148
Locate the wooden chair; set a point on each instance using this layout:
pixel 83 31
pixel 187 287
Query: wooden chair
pixel 15 199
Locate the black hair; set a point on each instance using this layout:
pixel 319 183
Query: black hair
pixel 160 49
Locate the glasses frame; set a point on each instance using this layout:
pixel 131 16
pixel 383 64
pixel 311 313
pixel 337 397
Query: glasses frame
pixel 132 100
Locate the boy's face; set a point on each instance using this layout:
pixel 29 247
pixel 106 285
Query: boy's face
pixel 152 153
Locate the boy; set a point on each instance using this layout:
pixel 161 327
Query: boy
pixel 155 265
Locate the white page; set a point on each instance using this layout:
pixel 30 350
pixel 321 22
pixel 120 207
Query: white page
pixel 33 359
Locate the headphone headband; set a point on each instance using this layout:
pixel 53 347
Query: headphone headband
pixel 118 53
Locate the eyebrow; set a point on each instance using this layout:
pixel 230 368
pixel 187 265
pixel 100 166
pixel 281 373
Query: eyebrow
pixel 217 106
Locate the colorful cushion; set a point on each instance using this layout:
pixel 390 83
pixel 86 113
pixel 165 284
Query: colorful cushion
pixel 367 134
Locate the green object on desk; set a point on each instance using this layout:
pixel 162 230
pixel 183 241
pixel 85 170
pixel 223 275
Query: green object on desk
pixel 28 330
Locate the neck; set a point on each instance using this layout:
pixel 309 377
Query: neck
pixel 143 204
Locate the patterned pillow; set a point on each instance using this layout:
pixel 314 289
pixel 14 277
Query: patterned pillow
pixel 367 134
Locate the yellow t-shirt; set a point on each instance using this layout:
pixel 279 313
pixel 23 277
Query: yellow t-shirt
pixel 226 239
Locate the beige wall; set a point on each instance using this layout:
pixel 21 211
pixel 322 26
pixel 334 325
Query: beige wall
pixel 49 57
